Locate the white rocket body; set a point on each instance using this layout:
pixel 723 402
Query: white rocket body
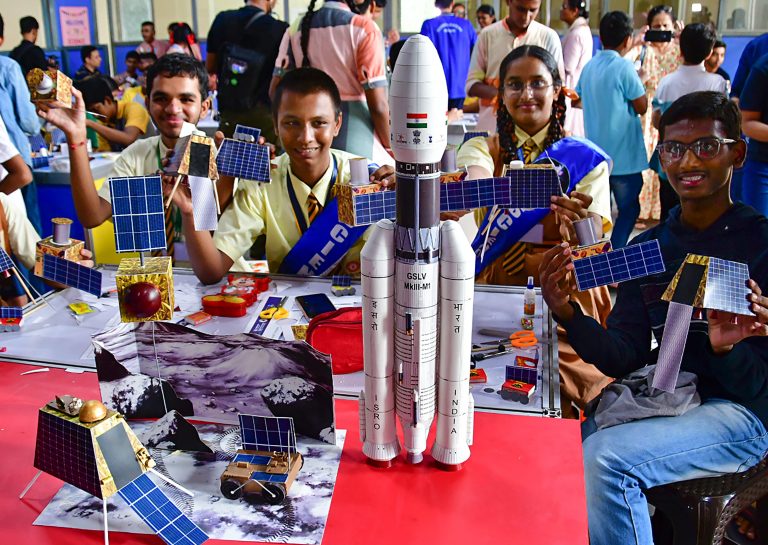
pixel 406 332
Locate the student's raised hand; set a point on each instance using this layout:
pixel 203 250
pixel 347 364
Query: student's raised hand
pixel 70 120
pixel 569 209
pixel 384 176
pixel 553 278
pixel 724 333
pixel 456 215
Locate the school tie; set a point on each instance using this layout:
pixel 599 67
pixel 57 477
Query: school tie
pixel 313 207
pixel 513 260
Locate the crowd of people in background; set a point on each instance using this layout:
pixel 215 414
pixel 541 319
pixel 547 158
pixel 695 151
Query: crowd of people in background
pixel 649 121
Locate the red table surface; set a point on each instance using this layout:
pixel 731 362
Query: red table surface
pixel 522 485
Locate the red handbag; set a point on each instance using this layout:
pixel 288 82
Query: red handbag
pixel 340 334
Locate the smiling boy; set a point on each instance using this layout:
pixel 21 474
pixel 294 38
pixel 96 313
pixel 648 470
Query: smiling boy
pixel 296 211
pixel 177 90
pixel 700 146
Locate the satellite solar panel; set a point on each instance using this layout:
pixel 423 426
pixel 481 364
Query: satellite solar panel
pixel 620 265
pixel 533 188
pixel 65 450
pixel 469 135
pixel 372 207
pixel 252 459
pixel 6 263
pixel 72 274
pixel 269 477
pixel 341 280
pixel 160 513
pixel 523 374
pixel 137 212
pixel 727 286
pixel 270 433
pixel 11 312
pixel 247 131
pixel 243 160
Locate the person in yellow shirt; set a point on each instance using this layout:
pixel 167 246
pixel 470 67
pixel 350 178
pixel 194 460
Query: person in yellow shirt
pixel 122 122
pixel 297 210
pixel 529 127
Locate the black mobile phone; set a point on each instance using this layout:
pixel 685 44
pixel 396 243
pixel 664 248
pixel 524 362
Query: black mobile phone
pixel 658 36
pixel 314 304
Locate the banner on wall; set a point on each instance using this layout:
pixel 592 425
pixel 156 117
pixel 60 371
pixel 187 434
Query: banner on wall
pixel 75 25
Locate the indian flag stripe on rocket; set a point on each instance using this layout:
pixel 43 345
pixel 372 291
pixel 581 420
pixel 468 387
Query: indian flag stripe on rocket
pixel 416 121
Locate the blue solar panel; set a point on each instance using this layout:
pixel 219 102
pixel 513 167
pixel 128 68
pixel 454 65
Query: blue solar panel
pixel 269 477
pixel 533 187
pixel 469 135
pixel 160 513
pixel 620 265
pixel 726 288
pixel 72 274
pixel 11 312
pixel 243 160
pixel 372 207
pixel 270 433
pixel 5 261
pixel 254 459
pixel 341 280
pixel 523 374
pixel 246 131
pixel 137 212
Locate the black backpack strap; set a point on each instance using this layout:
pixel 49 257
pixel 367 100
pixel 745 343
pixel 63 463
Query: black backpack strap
pixel 250 22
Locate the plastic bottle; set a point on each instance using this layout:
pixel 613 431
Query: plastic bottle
pixel 529 305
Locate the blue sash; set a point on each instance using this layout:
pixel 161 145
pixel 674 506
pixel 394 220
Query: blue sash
pixel 577 157
pixel 323 243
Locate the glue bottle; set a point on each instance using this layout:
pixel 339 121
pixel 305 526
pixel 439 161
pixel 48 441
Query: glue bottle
pixel 529 305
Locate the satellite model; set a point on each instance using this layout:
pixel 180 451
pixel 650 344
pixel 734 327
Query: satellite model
pixel 92 448
pixel 51 86
pixel 57 259
pixel 268 461
pixel 11 317
pixel 596 264
pixel 144 285
pixel 418 277
pixel 195 157
pixel 701 282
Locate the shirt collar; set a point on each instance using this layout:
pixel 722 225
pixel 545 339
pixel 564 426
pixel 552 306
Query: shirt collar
pixel 610 52
pixel 538 138
pixel 580 21
pixel 692 67
pixel 320 189
pixel 120 109
pixel 335 4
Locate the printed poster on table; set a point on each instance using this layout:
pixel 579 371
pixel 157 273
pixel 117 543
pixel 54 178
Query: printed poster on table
pixel 75 24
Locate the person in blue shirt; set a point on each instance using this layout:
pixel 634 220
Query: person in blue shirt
pixel 753 51
pixel 21 121
pixel 454 39
pixel 613 98
pixel 754 111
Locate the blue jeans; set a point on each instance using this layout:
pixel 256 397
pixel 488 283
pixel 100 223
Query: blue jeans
pixel 626 190
pixel 620 462
pixel 755 185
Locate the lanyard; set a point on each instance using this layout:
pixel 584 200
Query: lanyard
pixel 159 160
pixel 298 213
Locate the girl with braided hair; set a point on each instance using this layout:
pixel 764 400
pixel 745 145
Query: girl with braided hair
pixel 349 47
pixel 530 129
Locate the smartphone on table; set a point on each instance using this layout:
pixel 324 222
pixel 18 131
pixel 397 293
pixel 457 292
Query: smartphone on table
pixel 314 304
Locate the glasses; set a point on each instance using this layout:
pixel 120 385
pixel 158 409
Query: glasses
pixel 536 87
pixel 704 149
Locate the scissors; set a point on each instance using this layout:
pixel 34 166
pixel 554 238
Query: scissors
pixel 518 339
pixel 275 313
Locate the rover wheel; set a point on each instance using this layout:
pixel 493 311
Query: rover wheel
pixel 508 396
pixel 231 489
pixel 277 496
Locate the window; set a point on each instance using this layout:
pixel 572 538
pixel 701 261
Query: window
pixel 126 18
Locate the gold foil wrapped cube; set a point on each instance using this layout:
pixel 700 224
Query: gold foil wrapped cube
pixel 57 90
pixel 157 271
pixel 70 252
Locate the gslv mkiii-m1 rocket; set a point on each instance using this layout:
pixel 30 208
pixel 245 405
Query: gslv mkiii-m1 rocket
pixel 418 286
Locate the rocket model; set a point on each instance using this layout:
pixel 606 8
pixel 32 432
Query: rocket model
pixel 418 286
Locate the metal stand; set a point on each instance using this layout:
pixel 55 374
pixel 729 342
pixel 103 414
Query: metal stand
pixel 26 489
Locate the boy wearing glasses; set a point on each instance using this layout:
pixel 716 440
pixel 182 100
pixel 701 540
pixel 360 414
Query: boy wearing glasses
pixel 613 97
pixel 700 146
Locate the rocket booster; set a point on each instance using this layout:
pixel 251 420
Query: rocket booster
pixel 408 338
